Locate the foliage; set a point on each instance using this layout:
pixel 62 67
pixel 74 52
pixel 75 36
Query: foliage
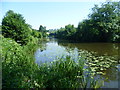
pixel 67 32
pixel 62 73
pixel 17 67
pixel 36 34
pixel 43 30
pixel 103 25
pixel 99 63
pixel 15 27
pixel 106 21
pixel 20 71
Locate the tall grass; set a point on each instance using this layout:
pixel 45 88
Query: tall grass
pixel 19 69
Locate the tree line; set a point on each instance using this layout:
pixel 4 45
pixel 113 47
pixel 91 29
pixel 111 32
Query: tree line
pixel 102 25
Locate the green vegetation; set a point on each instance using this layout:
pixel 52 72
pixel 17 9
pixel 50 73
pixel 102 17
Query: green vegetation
pixel 15 27
pixel 43 30
pixel 98 63
pixel 19 42
pixel 103 25
pixel 17 66
pixel 19 70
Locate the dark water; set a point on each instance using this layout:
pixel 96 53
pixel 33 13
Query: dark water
pixel 51 49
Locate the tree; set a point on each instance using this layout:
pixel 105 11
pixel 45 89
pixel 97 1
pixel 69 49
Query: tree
pixel 36 34
pixel 70 31
pixel 15 27
pixel 105 19
pixel 43 30
pixel 66 33
pixel 103 25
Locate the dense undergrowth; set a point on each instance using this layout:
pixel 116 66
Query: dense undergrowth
pixel 17 66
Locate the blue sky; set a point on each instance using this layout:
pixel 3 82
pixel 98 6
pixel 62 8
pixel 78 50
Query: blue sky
pixel 53 15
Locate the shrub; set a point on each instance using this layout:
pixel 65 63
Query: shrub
pixel 17 67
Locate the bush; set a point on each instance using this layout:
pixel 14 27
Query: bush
pixel 17 67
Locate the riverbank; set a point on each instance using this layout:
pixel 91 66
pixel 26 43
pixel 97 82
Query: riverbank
pixel 19 69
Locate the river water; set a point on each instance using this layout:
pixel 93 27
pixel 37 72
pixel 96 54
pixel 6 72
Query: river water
pixel 51 49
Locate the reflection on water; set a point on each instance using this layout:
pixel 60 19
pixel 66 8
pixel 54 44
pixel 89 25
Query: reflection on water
pixel 53 48
pixel 51 53
pixel 111 78
pixel 100 48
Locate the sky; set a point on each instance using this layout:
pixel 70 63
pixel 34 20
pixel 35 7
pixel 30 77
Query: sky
pixel 53 15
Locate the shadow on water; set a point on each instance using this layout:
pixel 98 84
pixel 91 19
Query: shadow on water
pixel 51 49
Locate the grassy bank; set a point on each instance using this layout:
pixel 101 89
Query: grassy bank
pixel 20 71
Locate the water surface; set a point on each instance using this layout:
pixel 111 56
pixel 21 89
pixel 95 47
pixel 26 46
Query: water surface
pixel 54 48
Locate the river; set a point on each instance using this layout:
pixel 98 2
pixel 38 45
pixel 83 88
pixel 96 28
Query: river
pixel 51 49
